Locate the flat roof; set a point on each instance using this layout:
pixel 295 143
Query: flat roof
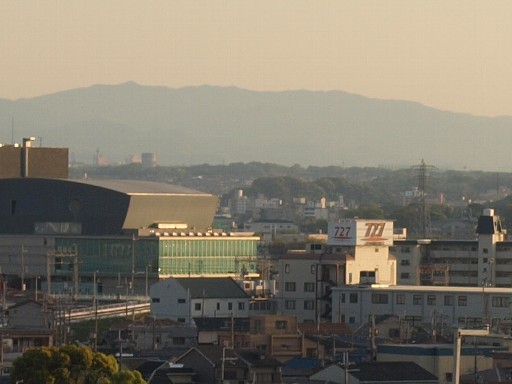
pixel 425 288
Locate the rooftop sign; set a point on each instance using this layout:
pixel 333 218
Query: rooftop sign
pixel 360 232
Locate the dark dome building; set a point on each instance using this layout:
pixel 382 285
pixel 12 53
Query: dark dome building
pixel 66 232
pixel 99 207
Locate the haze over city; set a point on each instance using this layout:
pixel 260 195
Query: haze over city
pixel 448 55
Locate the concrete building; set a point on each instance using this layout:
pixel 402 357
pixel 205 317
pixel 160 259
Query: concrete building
pixel 269 229
pixel 438 307
pixel 438 358
pixel 276 335
pixel 350 257
pixel 150 333
pixel 483 261
pixel 28 161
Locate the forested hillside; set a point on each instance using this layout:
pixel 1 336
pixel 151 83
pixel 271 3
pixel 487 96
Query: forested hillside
pixel 376 192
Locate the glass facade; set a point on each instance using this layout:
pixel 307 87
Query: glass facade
pixel 181 256
pixel 207 256
pixel 112 255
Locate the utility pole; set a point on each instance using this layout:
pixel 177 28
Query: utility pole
pixel 133 262
pixel 95 303
pixel 457 340
pixel 23 251
pixel 147 277
pixel 373 331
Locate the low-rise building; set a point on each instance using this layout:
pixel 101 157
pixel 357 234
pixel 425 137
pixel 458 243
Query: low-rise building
pixel 183 299
pixel 441 307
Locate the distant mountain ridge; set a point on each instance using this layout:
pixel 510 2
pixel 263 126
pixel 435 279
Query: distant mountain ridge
pixel 207 124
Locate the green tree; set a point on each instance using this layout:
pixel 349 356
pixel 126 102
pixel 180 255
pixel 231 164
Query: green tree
pixel 70 364
pixel 127 377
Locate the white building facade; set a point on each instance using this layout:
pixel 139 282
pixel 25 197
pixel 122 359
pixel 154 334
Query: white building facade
pixel 443 306
pixel 183 299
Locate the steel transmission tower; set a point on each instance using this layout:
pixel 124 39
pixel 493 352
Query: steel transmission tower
pixel 424 170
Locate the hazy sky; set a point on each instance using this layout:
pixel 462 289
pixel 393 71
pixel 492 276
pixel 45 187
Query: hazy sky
pixel 453 55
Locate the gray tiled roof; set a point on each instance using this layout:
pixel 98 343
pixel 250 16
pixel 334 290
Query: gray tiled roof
pixel 212 287
pixel 377 371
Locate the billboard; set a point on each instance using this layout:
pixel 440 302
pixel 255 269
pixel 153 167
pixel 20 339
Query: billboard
pixel 360 232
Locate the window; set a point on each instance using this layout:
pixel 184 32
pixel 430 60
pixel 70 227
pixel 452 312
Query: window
pixel 230 306
pixel 431 300
pixel 448 300
pixel 405 262
pixel 289 304
pixel 309 305
pixel 416 300
pixel 155 300
pixel 289 286
pixel 241 306
pixel 197 306
pixel 404 275
pixel 400 298
pixel 448 377
pixel 379 298
pixel 463 301
pixel 485 250
pixel 353 298
pixel 498 301
pixel 309 287
pixel 313 269
pixel 281 324
pixel 218 306
pixel 182 301
pixel 342 297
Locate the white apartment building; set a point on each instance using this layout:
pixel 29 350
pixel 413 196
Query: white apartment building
pixel 434 305
pixel 486 260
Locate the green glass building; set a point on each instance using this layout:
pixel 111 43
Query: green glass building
pixel 193 254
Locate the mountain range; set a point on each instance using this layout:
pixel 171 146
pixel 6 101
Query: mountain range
pixel 220 125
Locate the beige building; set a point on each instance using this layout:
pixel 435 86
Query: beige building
pixel 307 277
pixel 279 336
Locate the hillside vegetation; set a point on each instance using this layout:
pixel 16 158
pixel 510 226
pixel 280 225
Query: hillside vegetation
pixel 375 192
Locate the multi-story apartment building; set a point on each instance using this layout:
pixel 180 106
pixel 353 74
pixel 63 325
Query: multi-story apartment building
pixel 357 252
pixel 441 307
pixel 483 261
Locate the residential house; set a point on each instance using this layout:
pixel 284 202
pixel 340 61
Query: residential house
pixel 184 299
pixel 213 364
pixel 374 372
pixel 150 333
